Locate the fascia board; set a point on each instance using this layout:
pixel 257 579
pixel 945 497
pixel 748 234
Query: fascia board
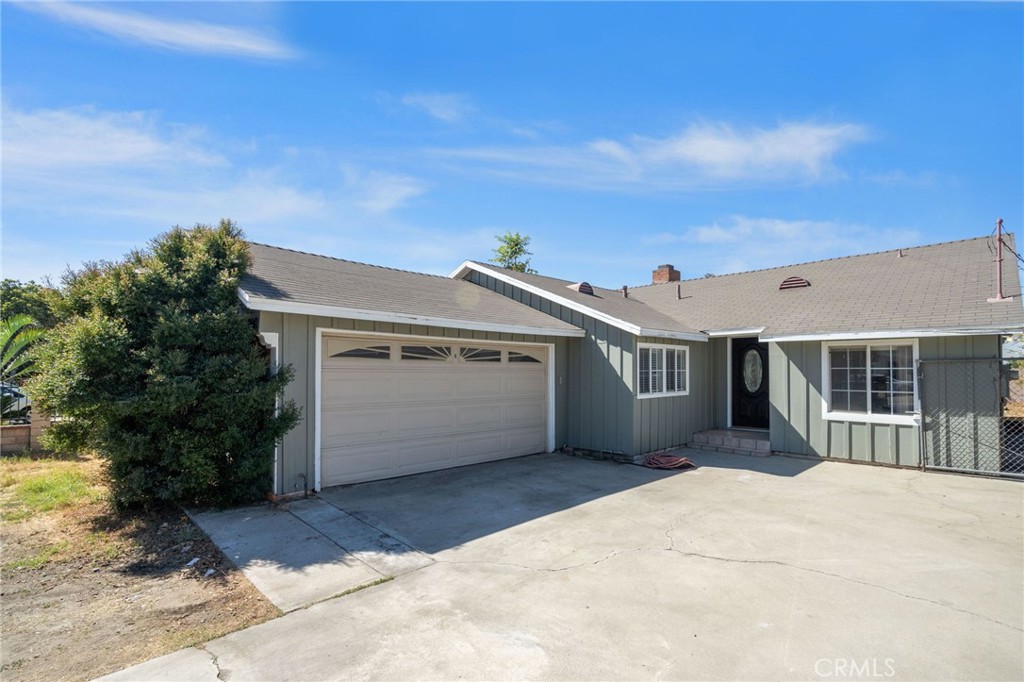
pixel 271 305
pixel 891 334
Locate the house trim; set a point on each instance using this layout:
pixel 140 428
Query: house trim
pixel 883 335
pixel 861 417
pixel 331 331
pixel 461 271
pixel 719 333
pixel 314 309
pixel 271 340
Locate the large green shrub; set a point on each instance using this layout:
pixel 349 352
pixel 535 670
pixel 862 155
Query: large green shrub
pixel 155 366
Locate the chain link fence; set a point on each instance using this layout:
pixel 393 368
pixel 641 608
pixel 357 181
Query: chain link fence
pixel 972 416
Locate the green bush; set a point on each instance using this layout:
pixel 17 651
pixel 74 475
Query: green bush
pixel 156 367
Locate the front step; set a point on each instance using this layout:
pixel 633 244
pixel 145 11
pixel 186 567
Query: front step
pixel 753 443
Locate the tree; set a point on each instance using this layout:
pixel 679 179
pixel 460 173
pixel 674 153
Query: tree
pixel 512 253
pixel 156 368
pixel 35 300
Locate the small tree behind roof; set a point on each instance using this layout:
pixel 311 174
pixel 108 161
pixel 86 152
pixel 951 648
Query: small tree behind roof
pixel 511 252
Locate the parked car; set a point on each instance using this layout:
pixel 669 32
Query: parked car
pixel 15 406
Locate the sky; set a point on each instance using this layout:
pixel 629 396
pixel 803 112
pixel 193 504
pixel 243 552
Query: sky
pixel 717 137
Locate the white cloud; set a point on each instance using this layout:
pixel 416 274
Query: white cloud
pixel 377 192
pixel 170 34
pixel 701 156
pixel 86 137
pixel 740 242
pixel 447 107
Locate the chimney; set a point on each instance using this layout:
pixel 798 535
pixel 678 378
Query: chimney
pixel 665 273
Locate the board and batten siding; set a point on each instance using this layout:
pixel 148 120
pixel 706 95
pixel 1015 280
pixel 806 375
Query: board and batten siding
pixel 797 423
pixel 297 347
pixel 599 377
pixel 671 421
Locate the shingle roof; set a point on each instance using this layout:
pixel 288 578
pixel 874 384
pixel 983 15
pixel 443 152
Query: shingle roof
pixel 302 281
pixel 609 302
pixel 937 287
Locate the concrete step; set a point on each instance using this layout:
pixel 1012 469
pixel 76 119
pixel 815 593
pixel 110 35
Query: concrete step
pixel 732 441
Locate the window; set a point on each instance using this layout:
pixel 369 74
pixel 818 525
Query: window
pixel 481 354
pixel 876 380
pixel 515 356
pixel 442 353
pixel 662 370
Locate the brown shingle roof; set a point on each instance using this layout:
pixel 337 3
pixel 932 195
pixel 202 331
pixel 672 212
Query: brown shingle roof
pixel 937 287
pixel 293 278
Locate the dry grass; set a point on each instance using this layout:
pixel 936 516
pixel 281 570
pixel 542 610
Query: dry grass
pixel 109 590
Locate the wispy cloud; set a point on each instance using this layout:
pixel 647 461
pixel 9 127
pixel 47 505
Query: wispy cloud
pixel 447 107
pixel 169 34
pixel 377 192
pixel 85 137
pixel 128 175
pixel 702 155
pixel 739 242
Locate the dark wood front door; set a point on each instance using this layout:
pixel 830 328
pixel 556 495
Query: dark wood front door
pixel 749 383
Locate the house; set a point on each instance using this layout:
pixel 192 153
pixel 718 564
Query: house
pixel 400 372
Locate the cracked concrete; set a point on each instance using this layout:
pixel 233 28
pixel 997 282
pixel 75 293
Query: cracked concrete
pixel 554 568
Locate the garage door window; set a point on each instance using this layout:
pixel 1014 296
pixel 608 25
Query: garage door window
pixel 481 355
pixel 515 356
pixel 441 353
pixel 367 352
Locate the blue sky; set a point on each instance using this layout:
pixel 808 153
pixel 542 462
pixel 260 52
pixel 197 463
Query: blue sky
pixel 718 137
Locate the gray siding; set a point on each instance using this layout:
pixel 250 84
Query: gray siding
pixel 671 421
pixel 719 354
pixel 604 413
pixel 599 375
pixel 797 425
pixel 297 344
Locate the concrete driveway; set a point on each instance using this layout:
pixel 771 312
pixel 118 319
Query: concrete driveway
pixel 555 568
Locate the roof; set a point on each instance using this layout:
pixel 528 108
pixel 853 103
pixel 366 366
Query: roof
pixel 940 288
pixel 295 282
pixel 607 305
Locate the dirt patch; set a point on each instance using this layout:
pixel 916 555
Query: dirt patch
pixel 85 592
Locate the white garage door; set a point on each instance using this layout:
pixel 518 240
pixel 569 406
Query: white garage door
pixel 397 407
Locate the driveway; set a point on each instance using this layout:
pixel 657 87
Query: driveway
pixel 555 568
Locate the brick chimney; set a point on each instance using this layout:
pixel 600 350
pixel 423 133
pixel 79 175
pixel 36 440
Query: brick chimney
pixel 664 273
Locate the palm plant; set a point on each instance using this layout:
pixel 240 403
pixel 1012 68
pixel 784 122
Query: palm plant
pixel 17 334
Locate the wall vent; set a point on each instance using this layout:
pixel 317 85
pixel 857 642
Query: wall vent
pixel 794 283
pixel 583 288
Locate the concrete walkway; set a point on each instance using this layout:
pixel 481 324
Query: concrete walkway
pixel 555 568
pixel 307 551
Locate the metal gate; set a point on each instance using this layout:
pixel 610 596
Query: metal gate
pixel 972 416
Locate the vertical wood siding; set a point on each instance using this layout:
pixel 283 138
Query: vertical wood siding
pixel 667 422
pixel 797 425
pixel 297 339
pixel 597 379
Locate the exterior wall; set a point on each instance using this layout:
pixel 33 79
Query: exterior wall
pixel 720 381
pixel 297 347
pixel 797 425
pixel 671 421
pixel 598 379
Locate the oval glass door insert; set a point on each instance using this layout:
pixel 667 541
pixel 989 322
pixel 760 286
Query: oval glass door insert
pixel 753 370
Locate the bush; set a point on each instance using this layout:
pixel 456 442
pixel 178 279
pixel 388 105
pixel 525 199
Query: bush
pixel 156 368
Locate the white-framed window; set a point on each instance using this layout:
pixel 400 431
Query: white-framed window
pixel 662 370
pixel 873 381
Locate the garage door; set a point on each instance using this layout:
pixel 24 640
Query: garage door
pixel 397 407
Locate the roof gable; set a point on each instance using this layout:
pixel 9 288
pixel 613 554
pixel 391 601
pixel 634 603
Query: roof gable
pixel 607 305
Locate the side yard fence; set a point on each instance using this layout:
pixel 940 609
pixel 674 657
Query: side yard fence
pixel 972 416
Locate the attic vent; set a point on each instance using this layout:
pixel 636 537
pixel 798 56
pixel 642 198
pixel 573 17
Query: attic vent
pixel 583 288
pixel 794 283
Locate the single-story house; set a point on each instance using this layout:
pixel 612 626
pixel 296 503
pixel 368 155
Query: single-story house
pixel 400 372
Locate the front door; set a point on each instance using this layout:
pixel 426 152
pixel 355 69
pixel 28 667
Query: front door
pixel 749 383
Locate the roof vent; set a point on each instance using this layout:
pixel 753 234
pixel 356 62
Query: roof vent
pixel 583 288
pixel 794 283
